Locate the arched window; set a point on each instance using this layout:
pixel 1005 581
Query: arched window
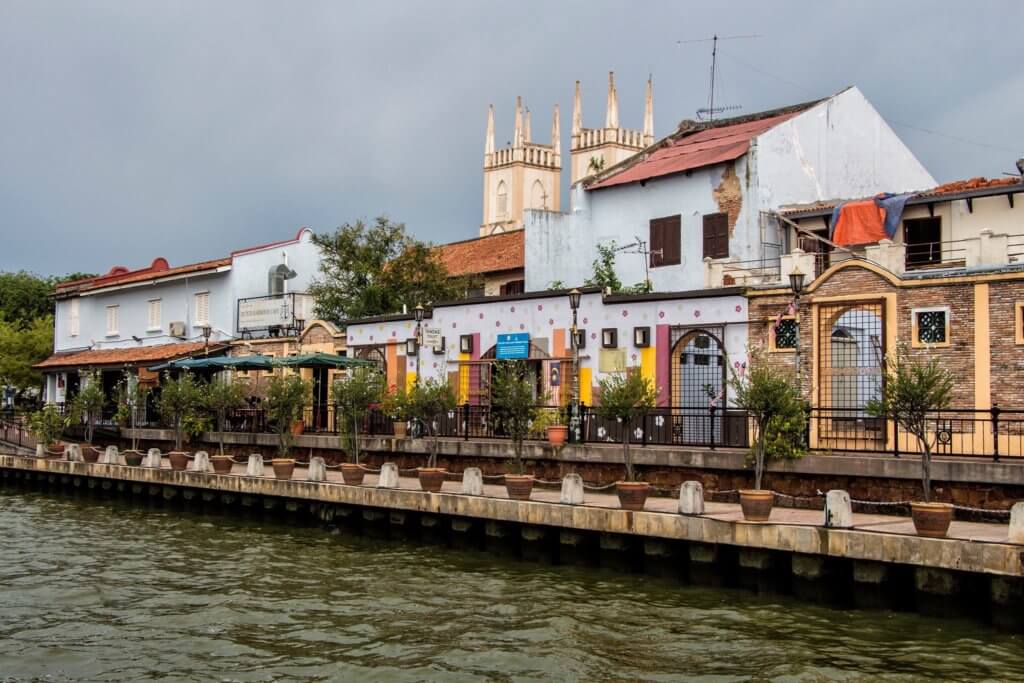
pixel 276 278
pixel 538 197
pixel 502 200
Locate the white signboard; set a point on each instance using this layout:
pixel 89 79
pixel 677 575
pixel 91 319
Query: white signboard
pixel 432 337
pixel 264 312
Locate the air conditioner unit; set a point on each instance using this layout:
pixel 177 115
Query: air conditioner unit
pixel 177 329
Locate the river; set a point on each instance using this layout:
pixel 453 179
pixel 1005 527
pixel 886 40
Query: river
pixel 94 590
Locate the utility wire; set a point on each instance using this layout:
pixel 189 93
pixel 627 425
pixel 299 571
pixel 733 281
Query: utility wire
pixel 806 90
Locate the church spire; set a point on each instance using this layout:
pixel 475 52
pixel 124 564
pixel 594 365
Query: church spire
pixel 577 112
pixel 517 137
pixel 489 142
pixel 649 114
pixel 556 135
pixel 611 119
pixel 526 127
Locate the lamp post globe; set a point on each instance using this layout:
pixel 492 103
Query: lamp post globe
pixel 796 280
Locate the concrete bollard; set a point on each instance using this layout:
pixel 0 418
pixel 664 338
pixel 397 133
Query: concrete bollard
pixel 73 452
pixel 1017 523
pixel 388 476
pixel 112 456
pixel 255 466
pixel 691 498
pixel 201 462
pixel 572 490
pixel 472 482
pixel 317 469
pixel 40 450
pixel 838 510
pixel 153 459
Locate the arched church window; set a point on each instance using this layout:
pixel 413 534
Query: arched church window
pixel 502 200
pixel 539 198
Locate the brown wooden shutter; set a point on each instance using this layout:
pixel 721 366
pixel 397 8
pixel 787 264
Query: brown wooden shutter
pixel 657 242
pixel 672 227
pixel 716 235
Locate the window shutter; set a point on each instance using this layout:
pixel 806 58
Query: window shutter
pixel 154 315
pixel 73 318
pixel 111 320
pixel 716 235
pixel 657 242
pixel 203 308
pixel 671 228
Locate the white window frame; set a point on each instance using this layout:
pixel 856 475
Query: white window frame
pixel 113 315
pixel 155 323
pixel 198 320
pixel 74 318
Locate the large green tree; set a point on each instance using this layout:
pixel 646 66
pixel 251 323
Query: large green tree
pixel 375 269
pixel 20 347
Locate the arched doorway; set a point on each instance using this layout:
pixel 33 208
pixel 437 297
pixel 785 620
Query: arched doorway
pixel 851 360
pixel 698 381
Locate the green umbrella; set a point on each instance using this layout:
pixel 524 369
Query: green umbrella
pixel 321 360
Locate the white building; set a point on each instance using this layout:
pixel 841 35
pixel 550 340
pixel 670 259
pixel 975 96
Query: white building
pixel 131 319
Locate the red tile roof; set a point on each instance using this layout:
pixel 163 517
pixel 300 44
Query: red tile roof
pixel 132 356
pixel 495 253
pixel 939 192
pixel 696 145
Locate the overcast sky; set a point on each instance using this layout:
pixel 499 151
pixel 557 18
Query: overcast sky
pixel 130 130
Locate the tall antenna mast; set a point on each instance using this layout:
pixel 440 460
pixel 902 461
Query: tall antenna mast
pixel 711 110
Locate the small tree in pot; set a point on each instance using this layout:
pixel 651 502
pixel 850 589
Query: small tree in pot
pixel 131 398
pixel 396 406
pixel 179 402
pixel 513 400
pixel 773 402
pixel 220 397
pixel 625 396
pixel 47 425
pixel 352 397
pixel 287 396
pixel 428 402
pixel 87 405
pixel 912 389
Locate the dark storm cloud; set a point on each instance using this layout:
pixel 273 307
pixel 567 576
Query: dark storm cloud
pixel 188 129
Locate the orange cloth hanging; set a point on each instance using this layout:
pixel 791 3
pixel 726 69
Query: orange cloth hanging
pixel 860 222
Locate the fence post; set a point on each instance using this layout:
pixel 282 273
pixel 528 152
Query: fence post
pixel 712 439
pixel 895 436
pixel 643 429
pixel 808 416
pixel 465 419
pixel 995 431
pixel 583 422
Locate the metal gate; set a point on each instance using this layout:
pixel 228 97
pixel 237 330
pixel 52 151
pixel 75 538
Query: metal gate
pixel 851 359
pixel 698 382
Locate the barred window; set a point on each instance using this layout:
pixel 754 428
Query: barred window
pixel 785 334
pixel 931 327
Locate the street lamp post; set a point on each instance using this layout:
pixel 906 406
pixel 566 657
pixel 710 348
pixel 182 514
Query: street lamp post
pixel 575 417
pixel 796 283
pixel 418 312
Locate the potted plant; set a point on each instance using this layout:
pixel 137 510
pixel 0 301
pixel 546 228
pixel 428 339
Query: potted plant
pixel 220 397
pixel 396 406
pixel 47 425
pixel 513 400
pixel 131 399
pixel 557 428
pixel 428 401
pixel 912 389
pixel 773 402
pixel 86 408
pixel 352 396
pixel 624 396
pixel 179 402
pixel 287 396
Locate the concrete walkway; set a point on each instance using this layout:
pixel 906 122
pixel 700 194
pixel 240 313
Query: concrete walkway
pixel 728 512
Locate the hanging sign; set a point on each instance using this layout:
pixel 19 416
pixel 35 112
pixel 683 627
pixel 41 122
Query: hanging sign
pixel 513 346
pixel 432 337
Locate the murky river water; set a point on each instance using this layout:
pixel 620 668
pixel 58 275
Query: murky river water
pixel 103 591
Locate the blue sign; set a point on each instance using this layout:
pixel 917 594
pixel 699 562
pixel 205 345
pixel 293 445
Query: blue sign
pixel 513 346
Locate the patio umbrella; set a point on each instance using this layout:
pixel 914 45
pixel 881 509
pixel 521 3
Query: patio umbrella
pixel 321 360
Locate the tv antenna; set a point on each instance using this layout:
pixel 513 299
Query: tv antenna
pixel 710 111
pixel 639 246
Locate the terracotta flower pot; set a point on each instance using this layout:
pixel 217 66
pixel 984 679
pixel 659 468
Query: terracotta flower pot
pixel 221 464
pixel 519 486
pixel 931 520
pixel 352 474
pixel 632 494
pixel 431 478
pixel 133 458
pixel 756 504
pixel 400 428
pixel 90 455
pixel 298 427
pixel 557 435
pixel 179 460
pixel 283 467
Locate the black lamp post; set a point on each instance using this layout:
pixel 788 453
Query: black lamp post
pixel 418 314
pixel 575 421
pixel 207 331
pixel 796 283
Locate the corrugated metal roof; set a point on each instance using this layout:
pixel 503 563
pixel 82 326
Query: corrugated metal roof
pixel 714 145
